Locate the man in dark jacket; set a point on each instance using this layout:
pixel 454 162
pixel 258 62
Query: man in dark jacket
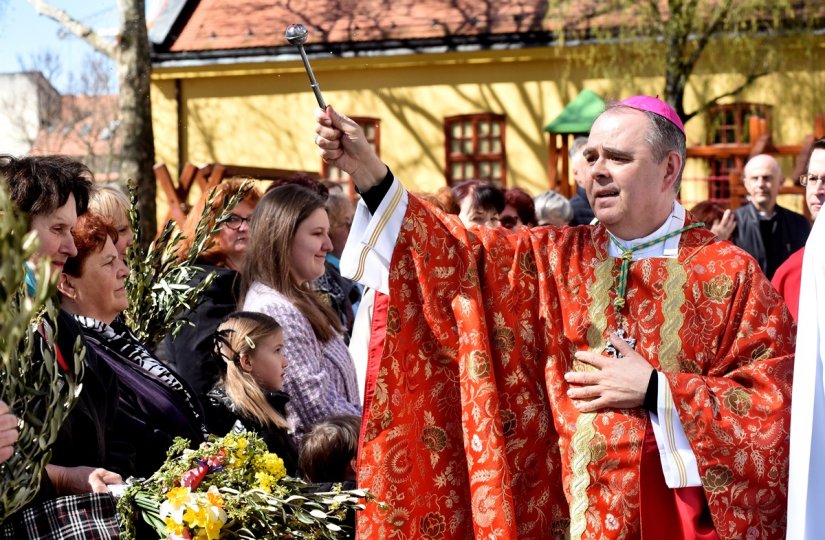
pixel 582 213
pixel 763 228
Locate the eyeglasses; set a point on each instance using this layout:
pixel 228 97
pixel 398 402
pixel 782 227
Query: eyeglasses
pixel 806 179
pixel 234 221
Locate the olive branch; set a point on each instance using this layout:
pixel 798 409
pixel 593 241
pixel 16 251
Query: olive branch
pixel 36 390
pixel 158 285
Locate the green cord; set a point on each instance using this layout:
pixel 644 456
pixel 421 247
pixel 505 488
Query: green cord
pixel 627 256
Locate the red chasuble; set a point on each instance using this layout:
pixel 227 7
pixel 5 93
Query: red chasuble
pixel 471 434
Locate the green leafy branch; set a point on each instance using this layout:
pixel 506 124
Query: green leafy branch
pixel 33 385
pixel 158 286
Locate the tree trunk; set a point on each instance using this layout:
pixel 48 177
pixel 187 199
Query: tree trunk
pixel 676 73
pixel 138 153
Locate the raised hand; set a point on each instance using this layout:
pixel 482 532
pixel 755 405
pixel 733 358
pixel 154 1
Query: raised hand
pixel 343 143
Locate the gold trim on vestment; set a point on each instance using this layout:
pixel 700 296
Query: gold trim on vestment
pixel 674 319
pixel 669 348
pixel 670 410
pixel 376 233
pixel 585 431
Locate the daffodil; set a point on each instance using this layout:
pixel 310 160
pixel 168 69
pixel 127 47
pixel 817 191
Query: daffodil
pixel 195 516
pixel 214 497
pixel 215 519
pixel 176 502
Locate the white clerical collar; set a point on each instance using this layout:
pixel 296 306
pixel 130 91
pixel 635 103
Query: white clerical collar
pixel 669 248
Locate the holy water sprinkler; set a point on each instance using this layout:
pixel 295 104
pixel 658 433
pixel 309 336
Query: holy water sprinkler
pixel 297 35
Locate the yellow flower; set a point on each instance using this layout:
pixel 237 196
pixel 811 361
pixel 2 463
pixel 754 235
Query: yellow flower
pixel 271 464
pixel 265 481
pixel 178 496
pixel 214 497
pixel 176 502
pixel 215 519
pixel 173 527
pixel 195 516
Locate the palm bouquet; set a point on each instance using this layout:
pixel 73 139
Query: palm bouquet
pixel 36 389
pixel 158 284
pixel 232 487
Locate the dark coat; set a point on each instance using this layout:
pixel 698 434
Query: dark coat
pixel 792 228
pixel 150 413
pixel 87 434
pixel 190 352
pixel 582 213
pixel 341 294
pixel 223 417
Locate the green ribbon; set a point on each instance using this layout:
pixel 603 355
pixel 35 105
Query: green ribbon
pixel 627 256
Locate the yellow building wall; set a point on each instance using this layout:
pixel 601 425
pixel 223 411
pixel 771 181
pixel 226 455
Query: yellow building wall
pixel 263 114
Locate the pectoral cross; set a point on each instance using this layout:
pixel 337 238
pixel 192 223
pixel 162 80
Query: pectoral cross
pixel 610 350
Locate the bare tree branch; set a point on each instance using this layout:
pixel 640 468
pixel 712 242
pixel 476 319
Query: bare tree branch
pixel 76 27
pixel 749 80
pixel 713 28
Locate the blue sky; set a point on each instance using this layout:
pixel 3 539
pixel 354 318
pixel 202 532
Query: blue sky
pixel 23 33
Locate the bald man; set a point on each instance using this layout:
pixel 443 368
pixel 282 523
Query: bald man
pixel 763 228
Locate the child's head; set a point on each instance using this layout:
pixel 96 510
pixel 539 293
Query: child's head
pixel 329 450
pixel 250 348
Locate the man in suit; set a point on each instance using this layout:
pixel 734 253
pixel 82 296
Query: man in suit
pixel 764 229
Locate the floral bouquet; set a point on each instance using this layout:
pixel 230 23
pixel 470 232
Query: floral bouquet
pixel 232 487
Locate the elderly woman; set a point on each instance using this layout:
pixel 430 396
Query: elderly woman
pixel 53 191
pixel 553 209
pixel 155 404
pixel 288 245
pixel 518 209
pixel 190 352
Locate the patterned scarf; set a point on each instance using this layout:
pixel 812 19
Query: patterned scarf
pixel 121 342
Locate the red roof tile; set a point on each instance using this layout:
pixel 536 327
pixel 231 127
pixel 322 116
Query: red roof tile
pixel 85 130
pixel 235 24
pixel 240 24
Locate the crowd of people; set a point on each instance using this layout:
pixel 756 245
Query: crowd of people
pixel 486 362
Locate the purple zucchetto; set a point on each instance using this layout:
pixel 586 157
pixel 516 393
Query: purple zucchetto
pixel 656 106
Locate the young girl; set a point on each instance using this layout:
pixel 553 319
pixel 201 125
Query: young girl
pixel 249 396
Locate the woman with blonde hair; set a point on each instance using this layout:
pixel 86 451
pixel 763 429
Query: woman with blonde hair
pixel 190 352
pixel 110 202
pixel 249 396
pixel 288 245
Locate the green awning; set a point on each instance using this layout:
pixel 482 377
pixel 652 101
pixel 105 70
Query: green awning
pixel 579 115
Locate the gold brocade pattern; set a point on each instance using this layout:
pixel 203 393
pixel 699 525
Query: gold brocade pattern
pixel 580 443
pixel 674 319
pixel 472 433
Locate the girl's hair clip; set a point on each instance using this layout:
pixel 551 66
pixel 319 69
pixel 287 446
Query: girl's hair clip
pixel 249 342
